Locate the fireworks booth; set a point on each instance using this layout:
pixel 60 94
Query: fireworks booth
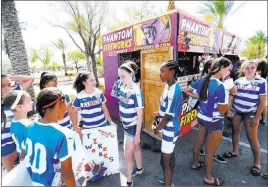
pixel 175 35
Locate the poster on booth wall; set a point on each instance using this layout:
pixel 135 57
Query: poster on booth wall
pixel 101 156
pixel 187 116
pixel 230 44
pixel 154 33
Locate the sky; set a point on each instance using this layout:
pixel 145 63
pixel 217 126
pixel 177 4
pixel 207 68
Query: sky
pixel 244 23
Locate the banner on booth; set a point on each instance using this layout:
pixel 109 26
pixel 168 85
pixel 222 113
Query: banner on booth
pixel 198 36
pixel 101 156
pixel 230 44
pixel 151 34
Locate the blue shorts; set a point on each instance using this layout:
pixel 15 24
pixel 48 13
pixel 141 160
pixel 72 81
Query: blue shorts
pixel 8 149
pixel 244 116
pixel 130 131
pixel 216 126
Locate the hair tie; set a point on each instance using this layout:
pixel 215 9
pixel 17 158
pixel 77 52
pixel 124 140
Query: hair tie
pixel 13 106
pixel 52 103
pixel 129 68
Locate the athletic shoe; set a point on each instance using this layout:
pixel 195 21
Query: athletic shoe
pixel 160 179
pixel 219 159
pixel 130 183
pixel 137 172
pixel 202 152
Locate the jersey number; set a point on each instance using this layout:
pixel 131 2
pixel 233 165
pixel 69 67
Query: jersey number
pixel 39 164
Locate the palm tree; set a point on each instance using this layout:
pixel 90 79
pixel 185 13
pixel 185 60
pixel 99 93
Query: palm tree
pixel 259 39
pixel 218 11
pixel 14 44
pixel 62 46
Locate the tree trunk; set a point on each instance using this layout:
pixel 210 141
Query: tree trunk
pixel 76 66
pixel 64 63
pixel 88 63
pixel 14 40
pixel 94 68
pixel 259 52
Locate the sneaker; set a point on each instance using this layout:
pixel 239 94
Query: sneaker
pixel 202 152
pixel 160 179
pixel 130 183
pixel 137 172
pixel 219 159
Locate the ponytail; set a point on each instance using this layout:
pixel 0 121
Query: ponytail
pixel 78 83
pixel 215 68
pixel 45 78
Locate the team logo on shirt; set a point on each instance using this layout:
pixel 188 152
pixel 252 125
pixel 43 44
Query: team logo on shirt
pixel 248 87
pixel 91 103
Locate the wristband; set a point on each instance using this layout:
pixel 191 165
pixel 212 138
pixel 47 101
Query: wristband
pixel 231 95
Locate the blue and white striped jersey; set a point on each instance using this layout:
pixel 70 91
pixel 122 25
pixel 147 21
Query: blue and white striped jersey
pixel 130 101
pixel 116 87
pixel 170 103
pixel 66 122
pixel 6 136
pixel 248 92
pixel 217 94
pixel 90 106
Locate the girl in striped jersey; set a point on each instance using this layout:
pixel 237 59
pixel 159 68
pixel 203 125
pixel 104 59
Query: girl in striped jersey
pixel 90 106
pixel 193 90
pixel 8 147
pixel 131 112
pixel 247 107
pixel 49 80
pixel 169 110
pixel 90 103
pixel 213 104
pixel 20 103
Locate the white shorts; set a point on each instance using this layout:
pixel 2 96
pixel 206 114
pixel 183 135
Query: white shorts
pixel 168 147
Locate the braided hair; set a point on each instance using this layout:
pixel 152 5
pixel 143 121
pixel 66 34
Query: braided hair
pixel 215 68
pixel 172 65
pixel 45 78
pixel 46 96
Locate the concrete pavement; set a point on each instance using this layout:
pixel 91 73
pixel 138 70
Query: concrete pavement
pixel 235 172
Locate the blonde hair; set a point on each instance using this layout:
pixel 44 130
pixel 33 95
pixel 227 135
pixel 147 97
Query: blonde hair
pixel 244 64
